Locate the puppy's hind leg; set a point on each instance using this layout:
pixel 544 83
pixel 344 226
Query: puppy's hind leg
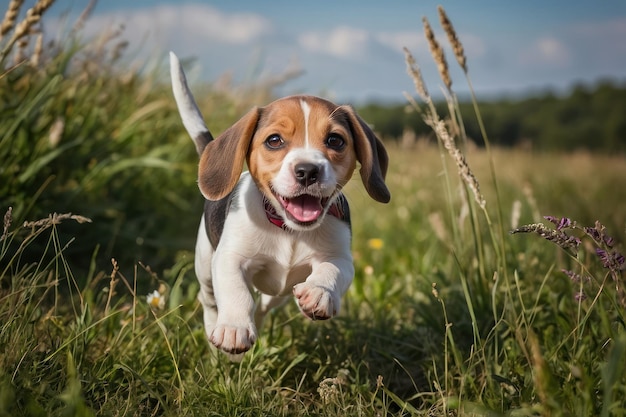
pixel 206 296
pixel 209 307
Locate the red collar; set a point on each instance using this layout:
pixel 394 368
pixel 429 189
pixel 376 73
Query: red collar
pixel 336 210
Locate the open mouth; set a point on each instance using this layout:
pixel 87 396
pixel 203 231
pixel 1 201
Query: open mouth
pixel 304 209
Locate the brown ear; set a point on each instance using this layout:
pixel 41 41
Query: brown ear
pixel 373 158
pixel 222 160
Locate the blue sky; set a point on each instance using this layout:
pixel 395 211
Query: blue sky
pixel 351 51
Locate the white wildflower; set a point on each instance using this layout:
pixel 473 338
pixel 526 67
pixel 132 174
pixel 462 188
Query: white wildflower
pixel 156 300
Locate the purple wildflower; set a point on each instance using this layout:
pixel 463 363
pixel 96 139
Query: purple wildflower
pixel 558 237
pixel 560 223
pixel 604 257
pixel 597 233
pixel 593 233
pixel 552 219
pixel 574 276
pixel 610 260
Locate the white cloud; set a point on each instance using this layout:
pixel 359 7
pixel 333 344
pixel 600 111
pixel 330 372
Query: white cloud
pixel 552 50
pixel 223 42
pixel 342 42
pixel 544 51
pixel 397 40
pixel 193 22
pixel 210 23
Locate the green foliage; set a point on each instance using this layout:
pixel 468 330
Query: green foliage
pixel 83 134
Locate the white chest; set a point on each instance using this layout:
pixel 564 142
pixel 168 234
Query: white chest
pixel 279 265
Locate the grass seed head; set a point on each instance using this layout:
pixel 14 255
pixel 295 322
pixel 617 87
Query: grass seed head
pixel 84 15
pixel 455 42
pixel 10 17
pixel 7 223
pixel 35 58
pixel 416 75
pixel 54 219
pixel 439 126
pixel 33 17
pixel 558 237
pixel 516 212
pixel 437 53
pixel 24 29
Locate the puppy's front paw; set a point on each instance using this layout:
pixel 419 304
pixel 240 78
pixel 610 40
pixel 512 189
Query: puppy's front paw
pixel 317 303
pixel 233 339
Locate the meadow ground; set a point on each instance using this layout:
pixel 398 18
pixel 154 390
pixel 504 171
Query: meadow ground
pixel 449 313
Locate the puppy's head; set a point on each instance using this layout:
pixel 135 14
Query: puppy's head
pixel 300 151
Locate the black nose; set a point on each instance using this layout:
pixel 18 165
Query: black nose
pixel 306 173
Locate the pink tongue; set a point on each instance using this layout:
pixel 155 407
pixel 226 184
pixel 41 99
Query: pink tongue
pixel 304 208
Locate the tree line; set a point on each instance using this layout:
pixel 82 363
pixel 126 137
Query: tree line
pixel 589 117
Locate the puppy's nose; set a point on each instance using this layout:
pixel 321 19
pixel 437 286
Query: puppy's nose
pixel 306 173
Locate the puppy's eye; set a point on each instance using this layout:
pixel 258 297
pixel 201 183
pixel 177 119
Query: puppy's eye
pixel 335 142
pixel 274 142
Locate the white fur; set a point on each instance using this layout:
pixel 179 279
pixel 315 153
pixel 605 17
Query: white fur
pixel 187 107
pixel 306 111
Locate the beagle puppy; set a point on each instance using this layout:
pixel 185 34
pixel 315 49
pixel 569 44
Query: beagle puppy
pixel 282 228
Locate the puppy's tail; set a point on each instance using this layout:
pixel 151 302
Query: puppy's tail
pixel 187 107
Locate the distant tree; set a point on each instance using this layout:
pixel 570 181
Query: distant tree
pixel 589 117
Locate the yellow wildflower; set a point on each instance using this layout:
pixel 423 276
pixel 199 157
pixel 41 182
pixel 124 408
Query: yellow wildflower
pixel 375 243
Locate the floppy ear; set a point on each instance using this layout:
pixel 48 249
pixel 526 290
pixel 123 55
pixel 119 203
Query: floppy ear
pixel 372 155
pixel 222 160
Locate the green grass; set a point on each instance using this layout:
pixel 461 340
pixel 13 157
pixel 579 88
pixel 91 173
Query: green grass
pixel 449 314
pixel 396 349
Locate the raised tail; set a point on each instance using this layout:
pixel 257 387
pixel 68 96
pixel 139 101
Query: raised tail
pixel 187 107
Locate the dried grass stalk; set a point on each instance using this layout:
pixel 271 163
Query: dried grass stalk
pixel 33 16
pixel 455 42
pixel 7 223
pixel 21 53
pixel 10 17
pixel 80 22
pixel 516 212
pixel 26 26
pixel 35 58
pixel 439 126
pixel 56 218
pixel 437 52
pixel 432 118
pixel 416 74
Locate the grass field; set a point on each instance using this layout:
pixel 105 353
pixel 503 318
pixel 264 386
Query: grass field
pixel 449 313
pixel 486 342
